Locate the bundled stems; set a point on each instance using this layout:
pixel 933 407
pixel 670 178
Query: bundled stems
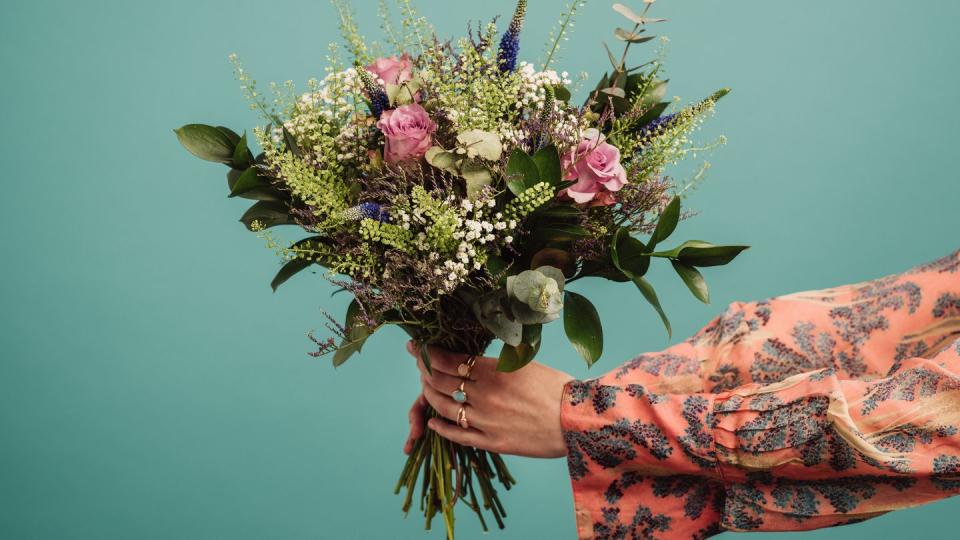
pixel 452 473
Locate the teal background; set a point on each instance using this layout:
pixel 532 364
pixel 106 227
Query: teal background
pixel 152 386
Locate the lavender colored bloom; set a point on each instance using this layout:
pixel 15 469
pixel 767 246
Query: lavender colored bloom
pixel 379 101
pixel 510 43
pixel 367 210
pixel 659 122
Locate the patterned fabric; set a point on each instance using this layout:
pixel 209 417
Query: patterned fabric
pixel 800 412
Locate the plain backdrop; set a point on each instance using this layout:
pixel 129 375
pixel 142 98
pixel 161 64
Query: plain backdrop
pixel 151 384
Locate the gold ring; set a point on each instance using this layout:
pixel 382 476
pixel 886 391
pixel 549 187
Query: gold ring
pixel 462 418
pixel 466 368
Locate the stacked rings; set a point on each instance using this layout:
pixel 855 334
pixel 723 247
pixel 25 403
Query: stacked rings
pixel 462 418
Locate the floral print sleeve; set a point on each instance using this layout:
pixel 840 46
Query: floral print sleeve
pixel 799 412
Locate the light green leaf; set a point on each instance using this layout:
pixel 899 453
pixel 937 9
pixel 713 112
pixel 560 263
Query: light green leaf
pixel 481 144
pixel 629 14
pixel 477 177
pixel 357 334
pixel 441 159
pixel 206 142
pixel 632 37
pixel 694 280
pixel 581 322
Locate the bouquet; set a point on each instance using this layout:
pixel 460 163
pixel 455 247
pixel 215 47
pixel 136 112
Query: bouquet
pixel 459 194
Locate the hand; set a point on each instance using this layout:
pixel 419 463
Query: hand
pixel 508 413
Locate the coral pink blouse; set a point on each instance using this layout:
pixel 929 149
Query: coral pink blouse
pixel 800 412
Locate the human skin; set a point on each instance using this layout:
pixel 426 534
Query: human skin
pixel 508 413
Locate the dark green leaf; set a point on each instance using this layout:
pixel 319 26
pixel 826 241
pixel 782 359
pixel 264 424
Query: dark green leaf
pixel 289 270
pixel 666 224
pixel 581 322
pixel 231 134
pixel 291 143
pixel 700 253
pixel 646 289
pixel 562 93
pixel 628 254
pixel 522 172
pixel 248 181
pixel 652 113
pixel 559 233
pixel 560 211
pixel 496 267
pixel 264 193
pixel 206 142
pixel 613 59
pixel 242 158
pixel 654 93
pixel 694 280
pixel 513 358
pixel 269 214
pixel 547 160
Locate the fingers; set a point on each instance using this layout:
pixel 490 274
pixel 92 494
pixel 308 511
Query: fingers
pixel 448 408
pixel 418 423
pixel 455 433
pixel 443 383
pixel 440 360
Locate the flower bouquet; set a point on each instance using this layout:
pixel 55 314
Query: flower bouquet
pixel 459 193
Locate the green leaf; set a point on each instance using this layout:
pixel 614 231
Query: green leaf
pixel 513 358
pixel 666 224
pixel 562 93
pixel 441 159
pixel 694 280
pixel 646 289
pixel 581 322
pixel 482 144
pixel 231 134
pixel 477 177
pixel 496 266
pixel 266 192
pixel 289 270
pixel 242 158
pixel 653 94
pixel 522 172
pixel 700 253
pixel 547 160
pixel 632 37
pixel 560 211
pixel 269 214
pixel 248 181
pixel 629 14
pixel 291 143
pixel 357 334
pixel 559 233
pixel 206 142
pixel 629 254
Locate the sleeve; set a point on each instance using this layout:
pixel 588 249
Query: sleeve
pixel 713 433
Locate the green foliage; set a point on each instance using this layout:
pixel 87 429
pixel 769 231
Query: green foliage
pixel 357 334
pixel 207 142
pixel 581 322
pixel 513 358
pixel 528 201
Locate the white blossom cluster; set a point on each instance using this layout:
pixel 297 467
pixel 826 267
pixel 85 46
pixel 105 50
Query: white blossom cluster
pixel 532 101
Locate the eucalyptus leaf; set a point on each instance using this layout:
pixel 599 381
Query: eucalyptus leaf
pixel 441 159
pixel 206 142
pixel 648 292
pixel 615 92
pixel 482 144
pixel 694 281
pixel 632 37
pixel 490 313
pixel 613 59
pixel 632 16
pixel 477 177
pixel 581 322
pixel 667 223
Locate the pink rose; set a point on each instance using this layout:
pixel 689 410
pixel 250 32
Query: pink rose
pixel 595 165
pixel 393 70
pixel 408 130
